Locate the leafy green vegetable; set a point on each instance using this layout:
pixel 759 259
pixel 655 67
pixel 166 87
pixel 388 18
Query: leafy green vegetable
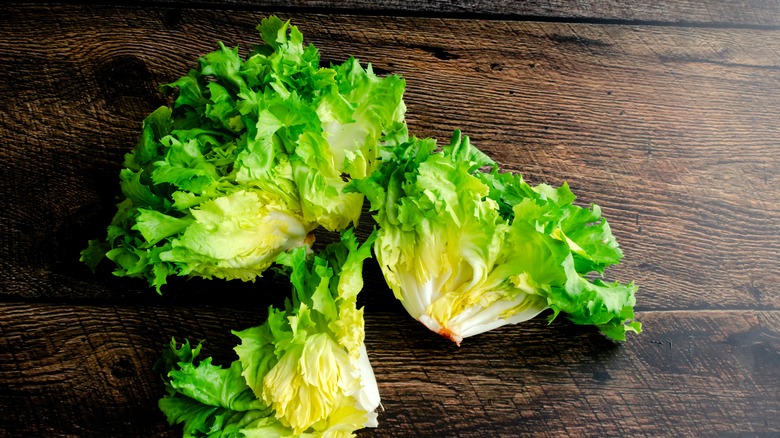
pixel 305 371
pixel 252 155
pixel 467 250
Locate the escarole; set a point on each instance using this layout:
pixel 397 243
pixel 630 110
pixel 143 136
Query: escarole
pixel 304 372
pixel 468 249
pixel 252 155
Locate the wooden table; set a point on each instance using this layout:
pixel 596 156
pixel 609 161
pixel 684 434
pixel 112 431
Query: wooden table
pixel 668 116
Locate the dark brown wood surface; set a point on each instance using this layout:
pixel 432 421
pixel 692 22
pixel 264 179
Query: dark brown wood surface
pixel 725 13
pixel 667 116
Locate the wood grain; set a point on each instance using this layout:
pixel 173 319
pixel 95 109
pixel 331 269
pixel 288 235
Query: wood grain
pixel 664 114
pixel 673 131
pixel 86 371
pixel 724 13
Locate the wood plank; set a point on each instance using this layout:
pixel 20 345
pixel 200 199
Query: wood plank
pixel 673 131
pixel 753 13
pixel 86 371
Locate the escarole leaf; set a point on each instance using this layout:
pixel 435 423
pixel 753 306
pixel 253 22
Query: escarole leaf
pixel 564 249
pixel 304 372
pixel 468 250
pixel 322 379
pixel 252 155
pixel 208 400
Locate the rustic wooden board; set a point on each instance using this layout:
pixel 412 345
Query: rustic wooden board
pixel 86 371
pixel 673 131
pixel 753 13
